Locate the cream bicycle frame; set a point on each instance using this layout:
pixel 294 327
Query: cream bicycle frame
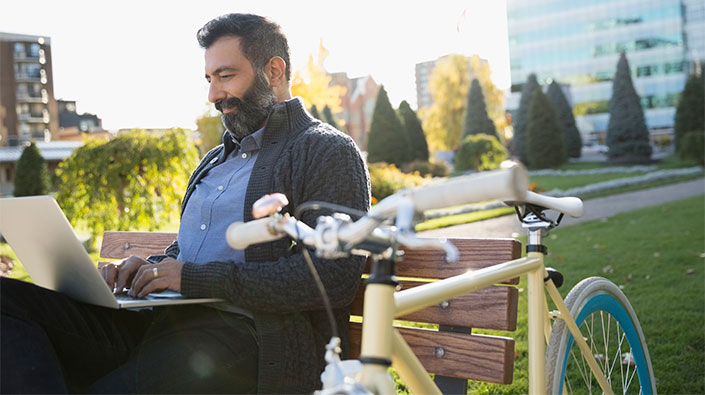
pixel 381 340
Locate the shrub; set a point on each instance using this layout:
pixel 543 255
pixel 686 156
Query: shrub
pixel 693 147
pixel 544 133
pixel 479 152
pixel 31 173
pixel 388 179
pixel 424 168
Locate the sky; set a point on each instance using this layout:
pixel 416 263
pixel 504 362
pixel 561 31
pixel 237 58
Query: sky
pixel 137 63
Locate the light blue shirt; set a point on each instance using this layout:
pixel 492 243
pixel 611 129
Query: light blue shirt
pixel 218 201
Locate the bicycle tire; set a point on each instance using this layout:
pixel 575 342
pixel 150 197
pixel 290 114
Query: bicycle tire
pixel 597 304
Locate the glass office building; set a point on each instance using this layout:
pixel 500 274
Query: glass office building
pixel 578 44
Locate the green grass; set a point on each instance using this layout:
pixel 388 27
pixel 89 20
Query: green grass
pixel 657 255
pixel 547 183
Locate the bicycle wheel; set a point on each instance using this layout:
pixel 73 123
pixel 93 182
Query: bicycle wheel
pixel 612 330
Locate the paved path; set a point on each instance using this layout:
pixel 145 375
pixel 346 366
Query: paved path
pixel 508 226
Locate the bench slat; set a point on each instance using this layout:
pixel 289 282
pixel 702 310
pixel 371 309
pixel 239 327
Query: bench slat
pixel 474 254
pixel 118 245
pixel 488 308
pixel 477 357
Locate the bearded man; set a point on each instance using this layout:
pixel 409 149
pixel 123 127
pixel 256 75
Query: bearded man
pixel 270 334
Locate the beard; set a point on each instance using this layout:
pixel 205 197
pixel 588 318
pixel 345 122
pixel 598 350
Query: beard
pixel 252 109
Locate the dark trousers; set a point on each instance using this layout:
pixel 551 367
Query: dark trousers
pixel 53 344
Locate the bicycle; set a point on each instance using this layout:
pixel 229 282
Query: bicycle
pixel 595 343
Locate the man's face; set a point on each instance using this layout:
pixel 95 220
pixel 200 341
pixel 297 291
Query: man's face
pixel 238 91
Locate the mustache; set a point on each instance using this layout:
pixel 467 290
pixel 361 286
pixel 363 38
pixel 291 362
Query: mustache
pixel 228 103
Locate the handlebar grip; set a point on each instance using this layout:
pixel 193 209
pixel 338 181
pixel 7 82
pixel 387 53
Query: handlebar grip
pixel 508 183
pixel 241 235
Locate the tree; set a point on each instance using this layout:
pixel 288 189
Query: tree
pixel 519 142
pixel 313 85
pixel 315 113
pixel 476 119
pixel 387 140
pixel 329 118
pixel 627 134
pixel 690 116
pixel 132 182
pixel 494 97
pixel 544 134
pixel 31 173
pixel 572 141
pixel 414 132
pixel 211 128
pixel 479 152
pixel 448 85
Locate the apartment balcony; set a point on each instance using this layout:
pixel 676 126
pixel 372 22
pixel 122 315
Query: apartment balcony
pixel 23 57
pixel 22 77
pixel 25 98
pixel 32 118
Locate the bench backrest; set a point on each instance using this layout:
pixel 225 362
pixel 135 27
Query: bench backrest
pixel 452 351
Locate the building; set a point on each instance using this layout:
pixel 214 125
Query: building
pixel 53 153
pixel 27 105
pixel 579 43
pixel 424 99
pixel 358 104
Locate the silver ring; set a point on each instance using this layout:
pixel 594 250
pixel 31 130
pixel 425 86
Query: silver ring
pixel 155 271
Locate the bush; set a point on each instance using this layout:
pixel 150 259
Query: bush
pixel 479 152
pixel 693 147
pixel 31 173
pixel 424 168
pixel 388 179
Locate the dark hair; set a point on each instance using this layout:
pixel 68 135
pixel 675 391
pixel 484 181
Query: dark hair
pixel 260 38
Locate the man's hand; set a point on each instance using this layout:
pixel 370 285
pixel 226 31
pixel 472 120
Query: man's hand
pixel 119 274
pixel 157 278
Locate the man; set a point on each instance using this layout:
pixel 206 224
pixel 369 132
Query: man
pixel 271 333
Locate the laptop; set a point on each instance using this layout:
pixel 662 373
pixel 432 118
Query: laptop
pixel 46 244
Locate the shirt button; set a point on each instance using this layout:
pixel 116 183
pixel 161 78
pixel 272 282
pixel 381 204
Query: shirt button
pixel 220 187
pixel 244 156
pixel 214 160
pixel 203 227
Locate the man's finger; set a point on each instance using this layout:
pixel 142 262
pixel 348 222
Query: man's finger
pixel 155 285
pixel 128 269
pixel 144 275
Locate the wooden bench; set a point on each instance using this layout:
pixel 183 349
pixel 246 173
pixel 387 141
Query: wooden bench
pixel 452 352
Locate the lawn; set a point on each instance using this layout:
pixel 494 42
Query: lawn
pixel 657 256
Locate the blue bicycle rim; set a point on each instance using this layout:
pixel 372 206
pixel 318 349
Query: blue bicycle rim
pixel 610 305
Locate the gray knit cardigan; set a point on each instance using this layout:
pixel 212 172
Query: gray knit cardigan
pixel 306 160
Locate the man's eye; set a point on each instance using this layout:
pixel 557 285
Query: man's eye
pixel 226 76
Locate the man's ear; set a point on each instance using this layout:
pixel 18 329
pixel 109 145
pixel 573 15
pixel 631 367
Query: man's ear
pixel 276 71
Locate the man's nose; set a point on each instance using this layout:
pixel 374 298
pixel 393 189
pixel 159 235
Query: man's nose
pixel 215 93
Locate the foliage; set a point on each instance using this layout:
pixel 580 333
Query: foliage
pixel 387 139
pixel 211 128
pixel 693 147
pixel 494 97
pixel 572 142
pixel 329 118
pixel 448 85
pixel 479 152
pixel 386 179
pixel 313 85
pixel 544 134
pixel 627 134
pixel 315 113
pixel 425 168
pixel 414 132
pixel 476 119
pixel 132 182
pixel 519 143
pixel 690 115
pixel 31 173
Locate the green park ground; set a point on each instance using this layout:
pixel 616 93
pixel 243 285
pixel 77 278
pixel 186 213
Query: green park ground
pixel 657 256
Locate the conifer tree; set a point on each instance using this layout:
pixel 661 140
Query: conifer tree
pixel 329 118
pixel 31 173
pixel 544 134
pixel 690 114
pixel 314 112
pixel 627 134
pixel 572 142
pixel 476 119
pixel 414 131
pixel 387 140
pixel 519 143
